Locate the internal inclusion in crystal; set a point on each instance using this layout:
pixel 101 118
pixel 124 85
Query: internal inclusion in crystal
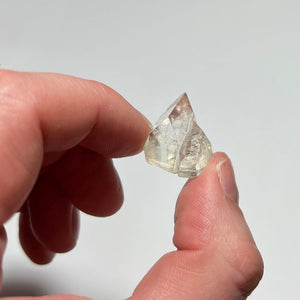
pixel 176 143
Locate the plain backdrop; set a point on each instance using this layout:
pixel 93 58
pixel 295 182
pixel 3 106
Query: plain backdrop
pixel 239 62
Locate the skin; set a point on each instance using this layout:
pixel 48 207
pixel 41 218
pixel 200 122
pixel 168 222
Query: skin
pixel 58 135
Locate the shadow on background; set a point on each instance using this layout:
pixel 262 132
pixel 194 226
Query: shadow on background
pixel 22 288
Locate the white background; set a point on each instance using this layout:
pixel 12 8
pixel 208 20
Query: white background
pixel 239 62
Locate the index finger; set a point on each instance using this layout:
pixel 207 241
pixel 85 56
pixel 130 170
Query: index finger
pixel 42 112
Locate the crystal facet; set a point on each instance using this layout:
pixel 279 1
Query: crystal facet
pixel 176 143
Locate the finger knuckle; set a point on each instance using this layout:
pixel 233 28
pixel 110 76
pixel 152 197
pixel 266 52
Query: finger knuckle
pixel 250 269
pixel 193 222
pixel 8 80
pixel 13 87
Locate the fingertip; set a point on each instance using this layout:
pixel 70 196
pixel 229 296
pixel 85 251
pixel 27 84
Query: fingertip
pixel 121 130
pixel 209 176
pixel 37 252
pixel 54 220
pixel 3 235
pixel 3 241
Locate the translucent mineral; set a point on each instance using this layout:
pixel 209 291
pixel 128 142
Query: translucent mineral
pixel 176 143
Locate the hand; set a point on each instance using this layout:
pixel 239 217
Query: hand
pixel 57 137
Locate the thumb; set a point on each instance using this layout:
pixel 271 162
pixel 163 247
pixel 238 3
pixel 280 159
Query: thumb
pixel 216 257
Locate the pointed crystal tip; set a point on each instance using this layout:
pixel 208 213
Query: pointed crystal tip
pixel 176 143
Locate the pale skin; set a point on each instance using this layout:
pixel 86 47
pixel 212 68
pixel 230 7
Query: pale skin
pixel 57 131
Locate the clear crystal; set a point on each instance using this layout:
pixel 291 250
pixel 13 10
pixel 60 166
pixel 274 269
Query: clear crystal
pixel 176 143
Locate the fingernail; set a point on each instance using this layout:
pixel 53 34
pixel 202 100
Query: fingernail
pixel 227 179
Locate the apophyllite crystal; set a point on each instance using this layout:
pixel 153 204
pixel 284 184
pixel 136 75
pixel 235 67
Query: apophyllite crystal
pixel 176 143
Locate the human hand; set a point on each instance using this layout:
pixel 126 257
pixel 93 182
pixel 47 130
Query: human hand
pixel 57 137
